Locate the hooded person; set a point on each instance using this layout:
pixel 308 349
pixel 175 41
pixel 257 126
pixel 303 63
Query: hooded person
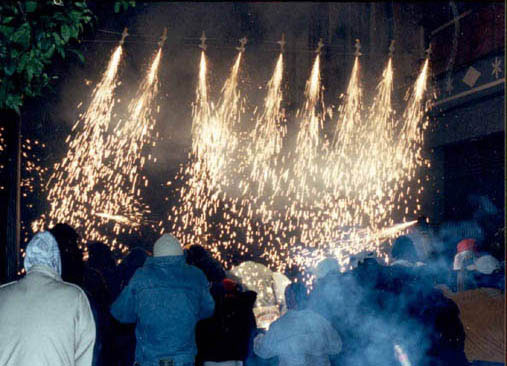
pixel 165 298
pixel 300 337
pixel 225 338
pixel 487 272
pixel 73 266
pixel 323 299
pixel 198 256
pixel 124 340
pixel 101 259
pixel 44 320
pixel 466 253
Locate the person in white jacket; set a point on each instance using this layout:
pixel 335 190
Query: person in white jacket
pixel 300 337
pixel 45 321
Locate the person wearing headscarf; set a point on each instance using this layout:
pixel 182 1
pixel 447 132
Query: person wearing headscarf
pixel 166 298
pixel 44 320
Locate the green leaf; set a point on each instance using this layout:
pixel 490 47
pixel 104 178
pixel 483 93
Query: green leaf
pixel 117 7
pixel 22 35
pixel 6 30
pixel 14 102
pixel 9 69
pixel 7 20
pixel 61 52
pixel 74 32
pixel 30 6
pixel 58 39
pixel 78 54
pixel 22 62
pixel 65 32
pixel 49 53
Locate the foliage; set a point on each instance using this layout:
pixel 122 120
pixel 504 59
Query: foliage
pixel 32 34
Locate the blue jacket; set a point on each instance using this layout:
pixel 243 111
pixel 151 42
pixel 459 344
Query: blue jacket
pixel 166 298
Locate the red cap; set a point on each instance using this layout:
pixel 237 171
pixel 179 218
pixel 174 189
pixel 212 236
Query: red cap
pixel 229 285
pixel 466 244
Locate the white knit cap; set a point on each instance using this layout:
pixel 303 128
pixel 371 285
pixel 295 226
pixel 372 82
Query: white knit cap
pixel 487 264
pixel 167 245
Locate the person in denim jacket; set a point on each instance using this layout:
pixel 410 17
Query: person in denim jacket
pixel 165 298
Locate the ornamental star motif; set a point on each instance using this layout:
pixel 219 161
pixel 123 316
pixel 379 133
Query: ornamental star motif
pixel 496 67
pixel 448 85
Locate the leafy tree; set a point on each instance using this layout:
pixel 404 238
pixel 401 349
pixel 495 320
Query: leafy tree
pixel 32 34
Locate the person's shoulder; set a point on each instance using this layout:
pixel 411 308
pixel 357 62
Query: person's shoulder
pixel 192 272
pixel 71 288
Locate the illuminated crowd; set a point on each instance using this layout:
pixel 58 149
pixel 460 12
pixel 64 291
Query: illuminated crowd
pixel 175 305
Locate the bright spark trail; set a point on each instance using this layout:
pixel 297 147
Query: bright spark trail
pixel 97 186
pixel 72 184
pixel 267 137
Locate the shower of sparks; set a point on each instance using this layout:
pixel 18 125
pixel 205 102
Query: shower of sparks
pixel 96 187
pixel 336 197
pixel 257 194
pixel 267 137
pixel 214 146
pixel 71 187
pixel 32 177
pixel 308 142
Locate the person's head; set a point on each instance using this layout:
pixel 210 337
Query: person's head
pixel 367 272
pixel 100 256
pixel 167 245
pixel 403 248
pixel 467 245
pixel 43 250
pixel 71 255
pixel 230 287
pixel 486 265
pixel 65 235
pixel 129 265
pixel 195 253
pixel 325 267
pixel 296 296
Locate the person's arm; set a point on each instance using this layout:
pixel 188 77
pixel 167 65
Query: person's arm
pixel 263 346
pixel 85 333
pixel 334 345
pixel 123 309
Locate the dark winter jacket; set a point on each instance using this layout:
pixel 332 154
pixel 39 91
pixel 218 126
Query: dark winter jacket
pixel 227 335
pixel 166 298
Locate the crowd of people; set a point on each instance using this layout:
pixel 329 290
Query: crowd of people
pixel 175 307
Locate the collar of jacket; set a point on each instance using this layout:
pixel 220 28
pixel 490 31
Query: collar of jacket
pixel 165 260
pixel 45 270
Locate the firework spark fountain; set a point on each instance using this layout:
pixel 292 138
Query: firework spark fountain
pixel 213 149
pixel 268 134
pixel 308 141
pixel 339 196
pixel 96 186
pixel 72 184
